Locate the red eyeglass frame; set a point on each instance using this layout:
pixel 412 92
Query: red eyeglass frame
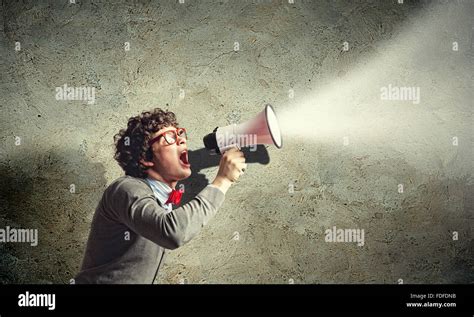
pixel 176 131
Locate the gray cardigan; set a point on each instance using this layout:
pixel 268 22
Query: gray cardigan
pixel 130 232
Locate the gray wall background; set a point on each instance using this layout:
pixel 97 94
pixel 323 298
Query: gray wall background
pixel 263 234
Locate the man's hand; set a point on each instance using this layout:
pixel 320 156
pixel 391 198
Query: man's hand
pixel 232 165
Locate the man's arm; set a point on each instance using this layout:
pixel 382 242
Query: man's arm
pixel 168 229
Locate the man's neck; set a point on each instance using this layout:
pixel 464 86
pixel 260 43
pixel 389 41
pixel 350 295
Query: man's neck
pixel 154 175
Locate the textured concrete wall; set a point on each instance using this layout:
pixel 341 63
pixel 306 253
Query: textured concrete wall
pixel 264 233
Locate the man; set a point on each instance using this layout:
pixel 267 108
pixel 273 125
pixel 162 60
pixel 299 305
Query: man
pixel 134 224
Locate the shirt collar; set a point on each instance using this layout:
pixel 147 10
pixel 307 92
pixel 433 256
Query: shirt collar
pixel 160 190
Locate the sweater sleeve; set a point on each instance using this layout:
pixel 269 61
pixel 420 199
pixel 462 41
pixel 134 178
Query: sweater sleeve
pixel 138 209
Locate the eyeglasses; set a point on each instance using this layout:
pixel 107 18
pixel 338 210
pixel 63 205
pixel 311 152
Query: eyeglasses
pixel 170 136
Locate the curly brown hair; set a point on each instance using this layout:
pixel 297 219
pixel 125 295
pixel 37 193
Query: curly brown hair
pixel 132 143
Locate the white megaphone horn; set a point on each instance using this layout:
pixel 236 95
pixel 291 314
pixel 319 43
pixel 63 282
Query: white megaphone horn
pixel 262 129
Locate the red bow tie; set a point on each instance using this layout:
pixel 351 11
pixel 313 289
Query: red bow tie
pixel 175 197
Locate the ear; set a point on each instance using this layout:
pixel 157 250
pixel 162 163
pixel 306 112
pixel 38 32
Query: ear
pixel 146 163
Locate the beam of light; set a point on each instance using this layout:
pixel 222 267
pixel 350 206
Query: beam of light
pixel 422 57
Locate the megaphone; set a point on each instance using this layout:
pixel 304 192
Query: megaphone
pixel 262 129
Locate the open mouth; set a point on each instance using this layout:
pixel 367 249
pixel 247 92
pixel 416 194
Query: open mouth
pixel 183 158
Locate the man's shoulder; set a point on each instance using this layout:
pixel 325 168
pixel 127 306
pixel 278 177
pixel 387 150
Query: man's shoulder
pixel 128 185
pixel 122 193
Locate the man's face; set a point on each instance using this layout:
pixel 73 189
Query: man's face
pixel 171 160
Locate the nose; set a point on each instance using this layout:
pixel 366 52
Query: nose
pixel 181 140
